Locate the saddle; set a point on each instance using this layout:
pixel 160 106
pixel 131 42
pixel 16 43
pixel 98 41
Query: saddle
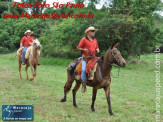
pixel 20 50
pixel 90 68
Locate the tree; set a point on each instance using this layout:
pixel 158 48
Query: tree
pixel 35 10
pixel 4 7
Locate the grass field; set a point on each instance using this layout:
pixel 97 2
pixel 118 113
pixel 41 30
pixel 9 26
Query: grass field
pixel 132 93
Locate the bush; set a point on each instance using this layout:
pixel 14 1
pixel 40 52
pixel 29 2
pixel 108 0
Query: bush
pixel 4 50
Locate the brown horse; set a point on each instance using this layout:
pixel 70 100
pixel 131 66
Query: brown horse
pixel 32 55
pixel 102 78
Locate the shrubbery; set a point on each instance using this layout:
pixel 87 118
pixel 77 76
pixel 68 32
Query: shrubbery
pixel 130 23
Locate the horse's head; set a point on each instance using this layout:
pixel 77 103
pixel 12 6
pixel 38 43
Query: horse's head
pixel 36 44
pixel 116 56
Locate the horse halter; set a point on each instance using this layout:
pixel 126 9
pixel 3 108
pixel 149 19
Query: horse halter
pixel 109 62
pixel 113 64
pixel 114 56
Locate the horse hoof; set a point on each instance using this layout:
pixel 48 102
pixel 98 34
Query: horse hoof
pixel 31 79
pixel 93 110
pixel 63 100
pixel 111 114
pixel 75 105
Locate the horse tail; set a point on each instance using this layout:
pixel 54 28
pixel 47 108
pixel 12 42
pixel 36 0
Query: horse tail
pixel 70 75
pixel 17 52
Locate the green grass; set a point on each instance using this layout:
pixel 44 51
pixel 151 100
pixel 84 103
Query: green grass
pixel 55 61
pixel 132 93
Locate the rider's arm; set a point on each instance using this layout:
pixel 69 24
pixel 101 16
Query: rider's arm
pixel 21 45
pixel 97 48
pixel 82 49
pixel 81 45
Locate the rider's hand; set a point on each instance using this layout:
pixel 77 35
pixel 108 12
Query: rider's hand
pixel 97 50
pixel 86 50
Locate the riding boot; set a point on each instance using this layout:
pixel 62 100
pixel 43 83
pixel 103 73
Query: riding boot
pixel 24 62
pixel 84 86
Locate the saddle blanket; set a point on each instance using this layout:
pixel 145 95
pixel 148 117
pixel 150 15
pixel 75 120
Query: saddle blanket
pixel 90 68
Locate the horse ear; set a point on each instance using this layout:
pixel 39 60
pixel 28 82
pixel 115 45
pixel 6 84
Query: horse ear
pixel 116 45
pixel 113 45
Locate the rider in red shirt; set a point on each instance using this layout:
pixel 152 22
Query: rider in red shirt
pixel 26 42
pixel 89 47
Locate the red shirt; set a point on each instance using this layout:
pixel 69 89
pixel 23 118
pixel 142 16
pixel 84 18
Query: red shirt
pixel 85 43
pixel 27 40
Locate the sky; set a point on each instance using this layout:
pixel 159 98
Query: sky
pixel 71 1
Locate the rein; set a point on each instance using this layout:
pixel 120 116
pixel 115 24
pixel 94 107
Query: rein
pixel 107 63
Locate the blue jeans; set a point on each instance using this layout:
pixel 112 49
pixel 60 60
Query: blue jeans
pixel 23 55
pixel 83 73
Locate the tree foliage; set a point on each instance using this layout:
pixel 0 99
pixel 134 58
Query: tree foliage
pixel 4 8
pixel 134 23
pixel 35 10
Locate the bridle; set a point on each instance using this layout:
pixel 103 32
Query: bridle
pixel 113 64
pixel 115 58
pixel 109 62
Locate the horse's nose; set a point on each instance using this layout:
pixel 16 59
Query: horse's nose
pixel 123 63
pixel 39 47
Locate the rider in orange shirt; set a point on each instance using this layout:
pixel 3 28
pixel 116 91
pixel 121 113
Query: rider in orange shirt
pixel 89 47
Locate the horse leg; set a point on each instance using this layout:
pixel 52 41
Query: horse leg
pixel 20 67
pixel 26 68
pixel 74 91
pixel 94 92
pixel 32 68
pixel 34 75
pixel 68 85
pixel 107 92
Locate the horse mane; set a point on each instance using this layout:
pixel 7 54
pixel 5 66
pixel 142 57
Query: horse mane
pixel 100 61
pixel 31 52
